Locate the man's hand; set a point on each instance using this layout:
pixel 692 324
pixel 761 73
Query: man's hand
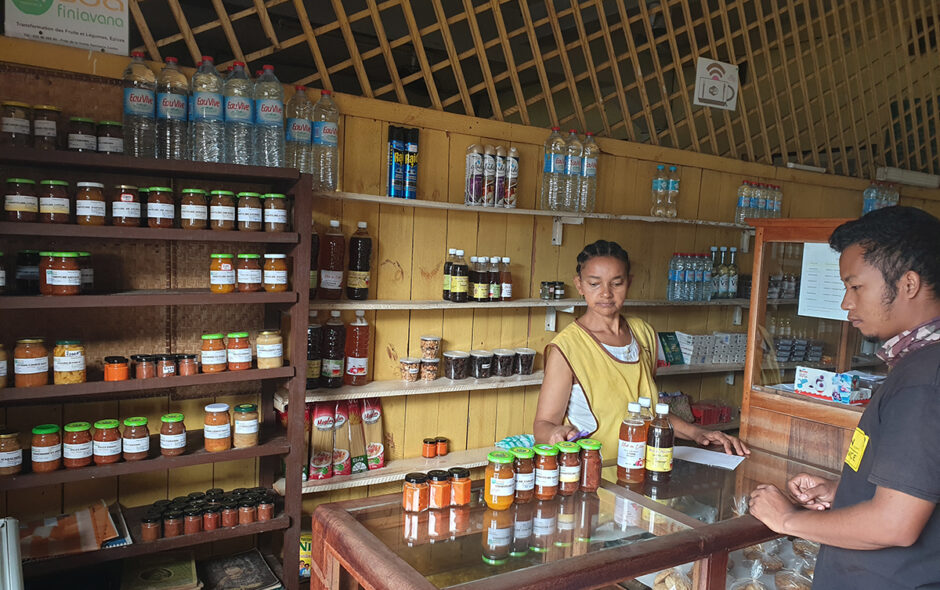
pixel 731 444
pixel 771 507
pixel 812 492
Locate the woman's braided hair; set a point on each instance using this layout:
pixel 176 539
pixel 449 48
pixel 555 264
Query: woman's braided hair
pixel 603 248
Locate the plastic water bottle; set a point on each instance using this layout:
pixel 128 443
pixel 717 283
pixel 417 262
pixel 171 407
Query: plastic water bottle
pixel 588 184
pixel 172 123
pixel 688 293
pixel 325 151
pixel 139 107
pixel 572 181
pixel 680 277
pixel 299 131
pixel 269 119
pixel 239 116
pixel 778 201
pixel 744 202
pixel 552 170
pixel 760 204
pixel 672 192
pixel 208 127
pixel 699 278
pixel 754 209
pixel 671 277
pixel 658 193
pixel 892 196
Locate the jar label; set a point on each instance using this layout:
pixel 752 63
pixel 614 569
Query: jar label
pixel 313 369
pixel 546 477
pixel 207 106
pixel 173 441
pixel 81 141
pixel 502 487
pixel 269 111
pixel 222 277
pixel 565 522
pixel 171 106
pixel 11 458
pixel 77 451
pixel 15 125
pixel 631 455
pixel 506 290
pixel 139 101
pixel 217 431
pixel 357 366
pixel 331 368
pixel 239 355
pixel 458 284
pixel 213 357
pixel 160 210
pixel 111 145
pixel 137 445
pixel 3 364
pixel 122 209
pixel 543 527
pixel 249 276
pixel 275 215
pixel 275 277
pixel 90 208
pixel 44 128
pixel 27 273
pixel 331 279
pixel 53 205
pixel 522 529
pixel 658 459
pixel 270 351
pixel 358 279
pixel 167 369
pixel 249 214
pixel 525 481
pixel 325 133
pixel 108 448
pixel 246 426
pixel 299 131
pixel 238 108
pixel 63 277
pixel 31 366
pixel 23 203
pixel 498 537
pixel 193 212
pixel 73 360
pixel 569 473
pixel 221 213
pixel 46 454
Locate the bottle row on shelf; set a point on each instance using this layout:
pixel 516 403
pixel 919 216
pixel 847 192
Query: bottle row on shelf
pixel 696 277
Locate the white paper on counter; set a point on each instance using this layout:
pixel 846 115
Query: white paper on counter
pixel 712 458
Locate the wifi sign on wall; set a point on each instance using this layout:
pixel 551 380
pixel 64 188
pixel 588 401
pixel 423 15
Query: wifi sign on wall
pixel 716 84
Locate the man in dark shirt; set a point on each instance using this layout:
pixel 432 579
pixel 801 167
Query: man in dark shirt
pixel 880 525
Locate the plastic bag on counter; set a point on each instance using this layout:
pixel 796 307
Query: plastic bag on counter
pixel 753 582
pixel 791 580
pixel 672 579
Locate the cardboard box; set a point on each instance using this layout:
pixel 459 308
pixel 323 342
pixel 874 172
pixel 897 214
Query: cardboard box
pixel 841 388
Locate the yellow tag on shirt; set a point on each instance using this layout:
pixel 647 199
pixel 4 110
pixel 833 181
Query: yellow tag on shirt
pixel 853 458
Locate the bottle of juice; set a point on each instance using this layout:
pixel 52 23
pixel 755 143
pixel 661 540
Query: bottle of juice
pixel 360 254
pixel 314 263
pixel 505 278
pixel 474 273
pixel 314 337
pixel 631 452
pixel 645 410
pixel 448 263
pixel 332 252
pixel 494 287
pixel 459 279
pixel 659 445
pixel 332 352
pixel 357 351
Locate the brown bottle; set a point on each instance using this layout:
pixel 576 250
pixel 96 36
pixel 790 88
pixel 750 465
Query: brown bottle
pixel 332 253
pixel 459 279
pixel 360 254
pixel 505 279
pixel 660 439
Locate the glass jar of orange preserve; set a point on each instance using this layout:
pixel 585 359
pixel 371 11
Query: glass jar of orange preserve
pixel 212 356
pixel 275 273
pixel 217 430
pixel 222 273
pixel 30 363
pixel 238 351
pixel 499 486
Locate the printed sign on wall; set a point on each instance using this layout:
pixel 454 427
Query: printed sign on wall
pixel 716 84
pixel 98 25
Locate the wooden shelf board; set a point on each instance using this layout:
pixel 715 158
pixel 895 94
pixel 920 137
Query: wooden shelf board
pixel 699 369
pixel 144 298
pixel 723 426
pixel 803 406
pixel 274 444
pixel 379 304
pixel 398 387
pixel 132 517
pixel 100 388
pixel 63 230
pixel 346 196
pixel 394 471
pixel 107 163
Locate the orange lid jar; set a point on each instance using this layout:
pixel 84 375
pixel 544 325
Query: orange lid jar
pixel 221 273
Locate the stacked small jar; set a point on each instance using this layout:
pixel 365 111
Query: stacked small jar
pixel 248 274
pixel 427 368
pixel 482 364
pixel 32 126
pixel 206 511
pixel 436 489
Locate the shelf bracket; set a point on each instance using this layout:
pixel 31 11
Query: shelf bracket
pixel 558 224
pixel 551 315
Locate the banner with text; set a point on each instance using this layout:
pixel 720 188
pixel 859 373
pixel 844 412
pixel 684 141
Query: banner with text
pixel 98 25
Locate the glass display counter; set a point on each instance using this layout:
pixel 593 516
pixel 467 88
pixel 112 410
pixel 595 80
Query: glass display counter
pixel 624 532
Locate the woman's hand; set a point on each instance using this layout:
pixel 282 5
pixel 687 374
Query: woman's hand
pixel 731 444
pixel 562 433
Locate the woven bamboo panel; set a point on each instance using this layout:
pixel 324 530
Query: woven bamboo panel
pixel 845 85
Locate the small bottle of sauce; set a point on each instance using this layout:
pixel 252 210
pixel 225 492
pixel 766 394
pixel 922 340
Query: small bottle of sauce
pixel 125 206
pixel 30 363
pixel 569 468
pixel 221 274
pixel 524 468
pixel 248 275
pixel 591 464
pixel 546 471
pixel 77 445
pixel 275 273
pixel 106 444
pixel 416 493
pixel 54 203
pixel 90 208
pixel 11 453
pixel 193 210
pixel 249 212
pixel 238 351
pixel 659 446
pixel 222 210
pixel 136 439
pixel 172 435
pixel 246 426
pixel 217 431
pixel 439 488
pixel 116 368
pixel 275 212
pixel 46 449
pixel 213 356
pixel 161 210
pixel 631 449
pixel 20 202
pixel 60 273
pixel 499 486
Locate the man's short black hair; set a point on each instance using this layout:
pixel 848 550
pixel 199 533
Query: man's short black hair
pixel 896 240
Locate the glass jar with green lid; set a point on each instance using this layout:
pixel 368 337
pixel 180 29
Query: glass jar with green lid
pixel 193 209
pixel 46 126
pixel 46 451
pixel 55 206
pixel 546 471
pixel 106 443
pixel 77 445
pixel 59 273
pixel 524 468
pixel 238 350
pixel 11 453
pixel 499 486
pixel 172 435
pixel 110 137
pixel 20 202
pixel 569 468
pixel 222 210
pixel 249 211
pixel 591 464
pixel 136 439
pixel 249 273
pixel 275 212
pixel 212 356
pixel 82 135
pixel 87 272
pixel 15 123
pixel 3 289
pixel 221 273
pixel 161 210
pixel 246 426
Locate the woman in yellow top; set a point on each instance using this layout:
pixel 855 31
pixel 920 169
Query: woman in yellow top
pixel 602 361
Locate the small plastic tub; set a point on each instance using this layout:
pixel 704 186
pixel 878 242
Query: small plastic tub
pixel 430 347
pixel 525 360
pixel 410 369
pixel 430 369
pixel 504 363
pixel 456 364
pixel 481 362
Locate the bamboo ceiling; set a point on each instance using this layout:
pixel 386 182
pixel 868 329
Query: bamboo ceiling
pixel 844 84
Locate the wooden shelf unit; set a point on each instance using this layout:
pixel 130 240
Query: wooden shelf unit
pixel 111 232
pixel 144 298
pixel 405 304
